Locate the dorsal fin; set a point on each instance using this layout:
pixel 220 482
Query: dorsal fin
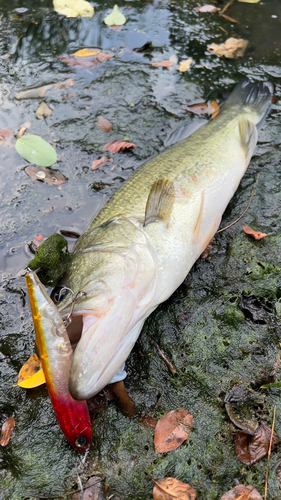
pixel 248 136
pixel 160 202
pixel 199 218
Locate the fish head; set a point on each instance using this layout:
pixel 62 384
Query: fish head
pixel 108 290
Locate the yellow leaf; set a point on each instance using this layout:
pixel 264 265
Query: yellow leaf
pixel 185 65
pixel 249 1
pixel 31 374
pixel 86 52
pixel 232 48
pixel 115 18
pixel 73 8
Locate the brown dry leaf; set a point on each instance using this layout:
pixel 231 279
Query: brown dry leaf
pixel 207 8
pixel 148 421
pixel 115 146
pixel 232 48
pixel 43 111
pixel 24 128
pixel 251 232
pixel 125 401
pixel 251 449
pixel 104 124
pixel 4 133
pixel 115 27
pixel 66 84
pixel 208 249
pixel 104 57
pixel 86 52
pixel 7 429
pixel 172 489
pixel 185 65
pixel 46 175
pixel 41 91
pixel 79 62
pixel 163 64
pixel 172 430
pixel 241 492
pixel 205 108
pixel 96 163
pixel 229 19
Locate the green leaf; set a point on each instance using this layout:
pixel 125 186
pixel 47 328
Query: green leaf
pixel 115 18
pixel 35 150
pixel 269 386
pixel 73 8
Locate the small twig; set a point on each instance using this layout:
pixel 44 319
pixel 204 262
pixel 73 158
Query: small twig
pixel 13 47
pixel 247 208
pixel 163 356
pixel 269 453
pixel 226 7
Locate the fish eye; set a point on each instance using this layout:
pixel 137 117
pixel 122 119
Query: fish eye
pixel 81 442
pixel 59 293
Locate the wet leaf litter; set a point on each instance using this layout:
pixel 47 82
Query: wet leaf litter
pixel 128 134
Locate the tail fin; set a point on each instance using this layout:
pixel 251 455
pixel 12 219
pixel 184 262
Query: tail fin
pixel 254 96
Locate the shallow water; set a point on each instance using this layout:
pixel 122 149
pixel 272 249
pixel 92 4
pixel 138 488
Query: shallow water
pixel 201 328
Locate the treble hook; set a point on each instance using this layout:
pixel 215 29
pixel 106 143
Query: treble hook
pixel 76 297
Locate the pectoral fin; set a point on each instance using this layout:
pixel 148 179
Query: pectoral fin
pixel 248 136
pixel 199 218
pixel 160 202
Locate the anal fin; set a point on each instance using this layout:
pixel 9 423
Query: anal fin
pixel 248 136
pixel 160 202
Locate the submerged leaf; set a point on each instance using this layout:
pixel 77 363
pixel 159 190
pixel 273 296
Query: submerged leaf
pixel 170 488
pixel 24 128
pixel 251 232
pixel 241 492
pixel 163 64
pixel 115 146
pixel 172 430
pixel 46 175
pixel 73 8
pixel 35 150
pixel 104 57
pixel 38 92
pixel 31 374
pixel 79 62
pixel 86 52
pixel 207 8
pixel 43 111
pixel 104 124
pixel 115 18
pixel 96 163
pixel 4 133
pixel 251 449
pixel 185 65
pixel 6 431
pixel 232 48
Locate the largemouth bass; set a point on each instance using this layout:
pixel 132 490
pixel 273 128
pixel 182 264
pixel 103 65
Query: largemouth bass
pixel 142 244
pixel 56 354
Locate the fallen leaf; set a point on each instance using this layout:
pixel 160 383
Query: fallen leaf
pixel 205 108
pixel 148 421
pixel 185 65
pixel 73 8
pixel 207 8
pixel 229 19
pixel 172 430
pixel 43 111
pixel 115 146
pixel 249 1
pixel 116 28
pixel 70 234
pixel 7 429
pixel 31 374
pixel 232 48
pixel 86 52
pixel 46 175
pixel 35 150
pixel 24 128
pixel 104 124
pixel 208 249
pixel 4 133
pixel 253 308
pixel 96 163
pixel 172 489
pixel 251 449
pixel 79 62
pixel 241 492
pixel 92 490
pixel 251 232
pixel 104 57
pixel 163 64
pixel 125 401
pixel 115 18
pixel 38 92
